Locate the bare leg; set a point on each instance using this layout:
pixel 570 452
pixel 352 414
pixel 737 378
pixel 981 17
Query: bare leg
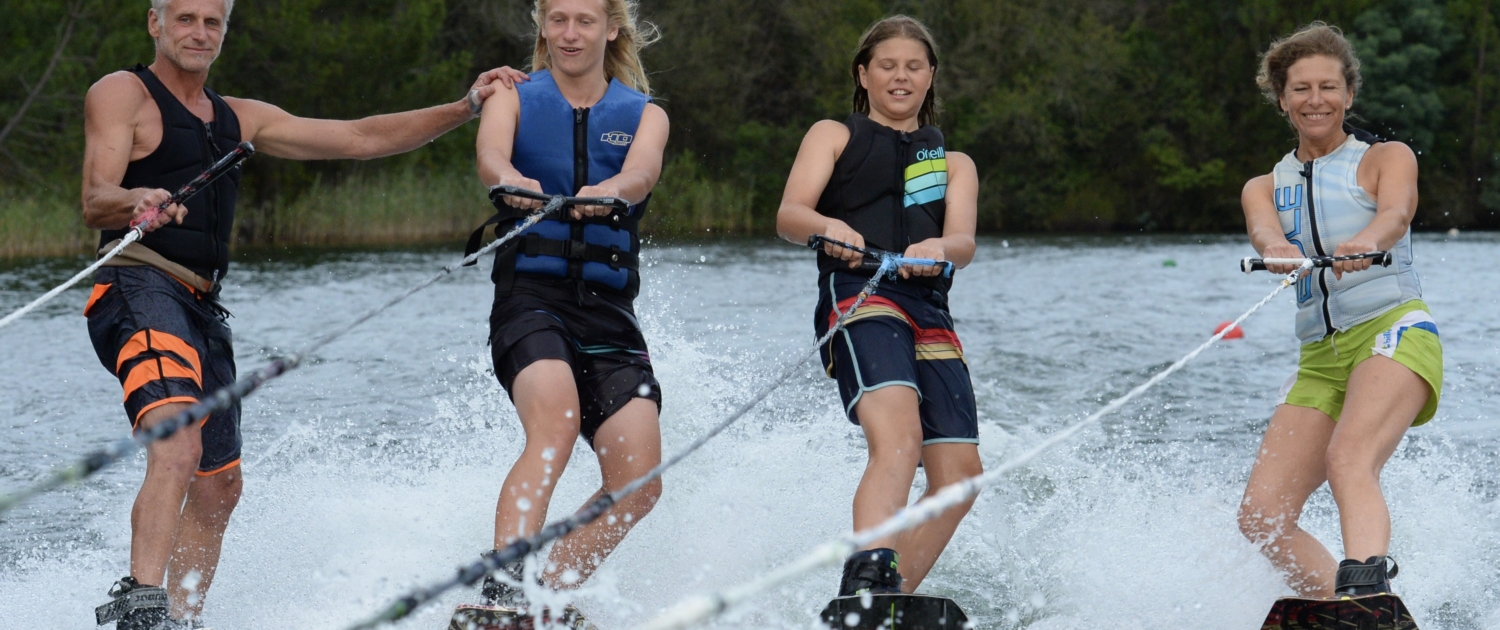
pixel 1288 468
pixel 893 430
pixel 547 402
pixel 1384 398
pixel 170 465
pixel 629 446
pixel 200 535
pixel 920 547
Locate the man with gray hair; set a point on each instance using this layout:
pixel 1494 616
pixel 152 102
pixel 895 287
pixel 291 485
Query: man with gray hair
pixel 154 318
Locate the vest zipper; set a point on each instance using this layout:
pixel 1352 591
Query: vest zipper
pixel 1312 218
pixel 901 192
pixel 580 179
pixel 213 199
pixel 580 148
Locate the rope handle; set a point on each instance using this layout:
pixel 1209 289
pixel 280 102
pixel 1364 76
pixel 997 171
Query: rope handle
pixel 496 192
pixel 219 168
pixel 1251 265
pixel 875 257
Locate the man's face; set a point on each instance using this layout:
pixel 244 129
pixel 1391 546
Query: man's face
pixel 190 32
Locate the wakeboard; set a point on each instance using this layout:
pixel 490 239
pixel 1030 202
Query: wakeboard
pixel 1367 612
pixel 478 617
pixel 894 612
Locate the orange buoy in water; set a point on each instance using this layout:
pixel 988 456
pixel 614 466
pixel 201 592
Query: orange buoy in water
pixel 1237 333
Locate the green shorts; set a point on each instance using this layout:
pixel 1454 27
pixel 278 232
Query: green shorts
pixel 1406 334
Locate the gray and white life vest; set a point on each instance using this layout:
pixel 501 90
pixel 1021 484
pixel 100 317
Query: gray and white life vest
pixel 1321 204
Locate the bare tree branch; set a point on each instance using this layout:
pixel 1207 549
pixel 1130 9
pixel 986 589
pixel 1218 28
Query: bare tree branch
pixel 75 9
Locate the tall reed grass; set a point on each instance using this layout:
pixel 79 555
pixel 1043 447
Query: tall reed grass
pixel 388 208
pixel 42 224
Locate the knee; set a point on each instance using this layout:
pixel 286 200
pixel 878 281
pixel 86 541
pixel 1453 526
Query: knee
pixel 178 456
pixel 1260 523
pixel 221 492
pixel 644 500
pixel 903 450
pixel 1348 463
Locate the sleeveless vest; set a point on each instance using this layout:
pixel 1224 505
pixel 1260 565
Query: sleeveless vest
pixel 889 186
pixel 566 149
pixel 188 147
pixel 1321 204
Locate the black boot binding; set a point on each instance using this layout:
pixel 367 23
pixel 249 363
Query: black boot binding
pixel 135 606
pixel 871 571
pixel 497 593
pixel 511 598
pixel 1370 577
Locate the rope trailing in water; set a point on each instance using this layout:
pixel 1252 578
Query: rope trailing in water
pixel 222 399
pixel 137 227
pixel 520 548
pixel 701 608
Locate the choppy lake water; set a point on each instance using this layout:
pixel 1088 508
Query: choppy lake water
pixel 374 468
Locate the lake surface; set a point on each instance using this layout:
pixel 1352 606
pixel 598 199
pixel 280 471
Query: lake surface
pixel 375 467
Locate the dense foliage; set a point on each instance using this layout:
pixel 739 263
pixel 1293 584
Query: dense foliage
pixel 1082 114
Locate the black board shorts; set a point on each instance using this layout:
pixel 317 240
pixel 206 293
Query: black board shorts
pixel 901 336
pixel 167 344
pixel 594 330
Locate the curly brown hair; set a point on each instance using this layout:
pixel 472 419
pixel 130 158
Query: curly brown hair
pixel 1312 40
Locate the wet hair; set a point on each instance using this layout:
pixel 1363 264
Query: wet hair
pixel 1312 40
pixel 622 57
pixel 896 26
pixel 161 8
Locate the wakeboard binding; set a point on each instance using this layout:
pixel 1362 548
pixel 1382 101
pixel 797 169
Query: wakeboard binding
pixel 505 608
pixel 137 606
pixel 1362 601
pixel 871 571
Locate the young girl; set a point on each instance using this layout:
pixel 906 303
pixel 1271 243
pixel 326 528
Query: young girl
pixel 1371 363
pixel 883 179
pixel 563 333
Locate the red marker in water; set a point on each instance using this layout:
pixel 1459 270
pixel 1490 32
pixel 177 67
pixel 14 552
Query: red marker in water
pixel 1236 333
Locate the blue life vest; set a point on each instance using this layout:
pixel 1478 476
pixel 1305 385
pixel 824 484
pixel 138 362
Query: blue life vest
pixel 565 149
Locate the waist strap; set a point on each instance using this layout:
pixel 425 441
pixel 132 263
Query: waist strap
pixel 137 255
pixel 537 245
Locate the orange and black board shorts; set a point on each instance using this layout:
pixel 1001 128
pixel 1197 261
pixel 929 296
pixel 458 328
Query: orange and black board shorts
pixel 166 344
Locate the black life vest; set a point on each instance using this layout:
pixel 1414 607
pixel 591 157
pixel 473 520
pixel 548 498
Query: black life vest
pixel 889 186
pixel 188 147
pixel 564 149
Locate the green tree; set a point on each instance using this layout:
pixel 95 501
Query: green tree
pixel 1399 44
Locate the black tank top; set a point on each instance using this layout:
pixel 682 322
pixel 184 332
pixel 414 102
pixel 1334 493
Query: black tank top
pixel 889 186
pixel 188 147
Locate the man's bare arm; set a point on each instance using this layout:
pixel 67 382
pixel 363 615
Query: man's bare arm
pixel 276 132
pixel 110 109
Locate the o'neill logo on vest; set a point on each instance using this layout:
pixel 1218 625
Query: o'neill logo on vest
pixel 617 138
pixel 931 154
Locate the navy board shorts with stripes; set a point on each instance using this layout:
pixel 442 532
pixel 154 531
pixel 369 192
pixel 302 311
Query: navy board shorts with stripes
pixel 167 344
pixel 902 335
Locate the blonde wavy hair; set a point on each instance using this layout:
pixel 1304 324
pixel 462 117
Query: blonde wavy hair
pixel 622 58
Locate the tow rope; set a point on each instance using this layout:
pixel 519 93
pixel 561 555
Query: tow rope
pixel 137 226
pixel 489 562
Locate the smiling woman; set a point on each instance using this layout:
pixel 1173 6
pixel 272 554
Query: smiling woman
pixel 1341 191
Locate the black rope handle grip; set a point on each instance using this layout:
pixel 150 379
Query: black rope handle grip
pixel 219 168
pixel 1250 265
pixel 497 192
